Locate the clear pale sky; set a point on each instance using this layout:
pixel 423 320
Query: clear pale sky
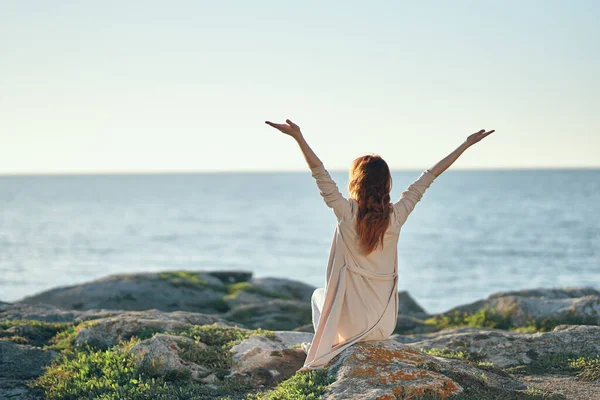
pixel 128 86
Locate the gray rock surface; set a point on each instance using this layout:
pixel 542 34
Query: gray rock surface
pixel 408 305
pixel 568 305
pixel 287 287
pixel 275 314
pixel 507 348
pixel 50 313
pixel 391 370
pixel 161 355
pixel 139 291
pixel 267 361
pixel 21 361
pixel 106 332
pixel 18 364
pixel 242 298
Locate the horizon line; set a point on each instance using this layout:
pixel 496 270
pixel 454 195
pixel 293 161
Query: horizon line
pixel 265 171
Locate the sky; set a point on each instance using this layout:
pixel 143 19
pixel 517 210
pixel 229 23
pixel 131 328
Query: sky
pixel 149 86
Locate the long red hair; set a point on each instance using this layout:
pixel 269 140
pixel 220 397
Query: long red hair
pixel 370 184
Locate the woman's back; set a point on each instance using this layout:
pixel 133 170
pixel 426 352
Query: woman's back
pixel 360 299
pixel 383 258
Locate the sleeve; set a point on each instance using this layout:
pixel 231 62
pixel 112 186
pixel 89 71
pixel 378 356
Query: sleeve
pixel 330 192
pixel 412 195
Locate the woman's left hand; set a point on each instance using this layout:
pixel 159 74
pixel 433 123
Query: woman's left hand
pixel 289 129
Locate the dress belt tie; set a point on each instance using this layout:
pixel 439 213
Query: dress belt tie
pixel 370 274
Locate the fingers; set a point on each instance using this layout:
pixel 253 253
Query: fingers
pixel 291 123
pixel 274 125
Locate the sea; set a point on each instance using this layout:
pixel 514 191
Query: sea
pixel 473 233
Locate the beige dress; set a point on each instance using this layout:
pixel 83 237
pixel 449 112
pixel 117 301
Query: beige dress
pixel 360 299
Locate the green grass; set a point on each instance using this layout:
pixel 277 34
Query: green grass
pixel 587 368
pixel 219 340
pixel 483 318
pixel 309 385
pixel 87 372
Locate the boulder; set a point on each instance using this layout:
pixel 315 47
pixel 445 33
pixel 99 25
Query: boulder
pixel 269 360
pixel 285 287
pixel 408 305
pixel 161 355
pixel 275 314
pixel 507 348
pixel 50 313
pixel 106 332
pixel 573 305
pixel 166 291
pixel 390 370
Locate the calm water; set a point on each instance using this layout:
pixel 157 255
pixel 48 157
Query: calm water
pixel 474 232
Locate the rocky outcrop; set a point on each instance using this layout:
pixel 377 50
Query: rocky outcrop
pixel 161 311
pixel 573 305
pixel 50 313
pixel 506 348
pixel 107 332
pixel 391 370
pixel 197 292
pixel 270 303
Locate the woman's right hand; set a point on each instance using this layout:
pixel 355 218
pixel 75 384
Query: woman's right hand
pixel 289 129
pixel 477 136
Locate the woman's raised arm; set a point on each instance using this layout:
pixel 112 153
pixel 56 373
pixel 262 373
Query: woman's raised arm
pixel 447 161
pixel 327 187
pixel 413 194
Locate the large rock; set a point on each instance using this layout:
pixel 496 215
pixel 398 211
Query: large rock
pixel 167 291
pixel 285 287
pixel 106 332
pixel 268 360
pixel 161 355
pixel 50 313
pixel 391 370
pixel 507 348
pixel 574 305
pixel 276 314
pixel 242 298
pixel 408 305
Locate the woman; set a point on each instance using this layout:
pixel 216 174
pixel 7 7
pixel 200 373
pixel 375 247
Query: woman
pixel 360 299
